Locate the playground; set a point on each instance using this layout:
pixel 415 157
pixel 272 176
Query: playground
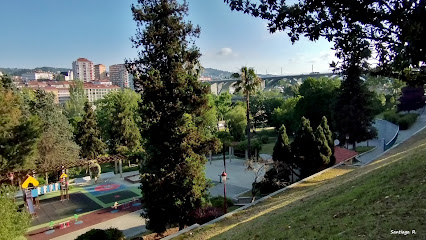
pixel 82 199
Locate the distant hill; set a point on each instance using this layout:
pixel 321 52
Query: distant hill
pixel 215 73
pixel 20 71
pixel 220 74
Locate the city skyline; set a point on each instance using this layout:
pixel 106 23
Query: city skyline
pixel 44 34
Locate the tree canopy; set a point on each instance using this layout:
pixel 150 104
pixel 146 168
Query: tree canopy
pixel 56 144
pixel 88 135
pixel 14 223
pixel 74 107
pixel 173 106
pixel 396 28
pixel 118 119
pixel 19 131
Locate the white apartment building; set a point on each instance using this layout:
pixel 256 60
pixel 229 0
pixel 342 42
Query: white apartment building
pixel 83 70
pixel 119 76
pixel 34 76
pixel 69 76
pixel 95 92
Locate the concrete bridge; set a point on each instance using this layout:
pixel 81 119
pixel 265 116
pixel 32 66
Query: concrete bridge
pixel 226 85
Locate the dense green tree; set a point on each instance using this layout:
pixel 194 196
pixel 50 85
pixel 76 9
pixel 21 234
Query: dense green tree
pixel 285 114
pixel 107 234
pixel 74 107
pixel 305 148
pixel 223 104
pixel 18 132
pixel 248 82
pixel 330 139
pixel 324 149
pixel 257 110
pixel 272 101
pixel 173 106
pixel 412 98
pixel 88 135
pixel 14 223
pixel 354 112
pixel 236 122
pixel 6 82
pixel 318 96
pixel 56 145
pixel 282 152
pixel 118 118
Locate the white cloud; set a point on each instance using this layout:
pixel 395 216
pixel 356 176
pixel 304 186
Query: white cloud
pixel 225 52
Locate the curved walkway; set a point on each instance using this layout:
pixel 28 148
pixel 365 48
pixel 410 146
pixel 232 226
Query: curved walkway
pixel 403 135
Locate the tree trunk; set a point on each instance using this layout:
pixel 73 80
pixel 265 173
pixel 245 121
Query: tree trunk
pixel 47 178
pixel 248 124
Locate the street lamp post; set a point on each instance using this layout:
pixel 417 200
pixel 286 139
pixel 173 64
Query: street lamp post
pixel 347 141
pixel 224 191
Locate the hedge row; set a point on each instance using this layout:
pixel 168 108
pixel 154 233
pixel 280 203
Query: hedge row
pixel 404 121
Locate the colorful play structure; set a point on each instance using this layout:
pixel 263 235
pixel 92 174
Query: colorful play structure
pixel 31 191
pixel 30 194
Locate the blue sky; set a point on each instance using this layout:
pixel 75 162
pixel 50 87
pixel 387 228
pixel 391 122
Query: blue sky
pixel 55 33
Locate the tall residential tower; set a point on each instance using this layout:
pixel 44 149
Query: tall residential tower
pixel 119 76
pixel 100 72
pixel 83 70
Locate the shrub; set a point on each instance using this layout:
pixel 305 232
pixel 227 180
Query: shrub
pixel 403 120
pixel 391 116
pixel 41 180
pixel 218 202
pixel 274 179
pixel 108 234
pixel 241 147
pixel 206 214
pixel 407 120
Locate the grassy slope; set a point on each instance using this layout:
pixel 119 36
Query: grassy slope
pixel 368 202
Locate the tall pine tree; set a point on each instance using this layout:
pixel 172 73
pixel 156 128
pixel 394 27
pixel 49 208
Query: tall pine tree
pixel 56 144
pixel 330 140
pixel 282 152
pixel 88 135
pixel 324 153
pixel 305 148
pixel 173 101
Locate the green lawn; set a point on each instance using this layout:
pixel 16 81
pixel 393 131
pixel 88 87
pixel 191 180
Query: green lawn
pixel 362 149
pixel 358 203
pixel 268 148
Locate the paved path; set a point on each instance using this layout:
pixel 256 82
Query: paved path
pixel 239 180
pixel 131 224
pixel 402 136
pixel 124 219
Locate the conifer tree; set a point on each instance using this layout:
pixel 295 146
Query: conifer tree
pixel 329 135
pixel 324 152
pixel 74 107
pixel 173 103
pixel 306 150
pixel 282 151
pixel 88 135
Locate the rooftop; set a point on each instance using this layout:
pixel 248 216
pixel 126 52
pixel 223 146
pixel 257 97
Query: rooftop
pixel 343 154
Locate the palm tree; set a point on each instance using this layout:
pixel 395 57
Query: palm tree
pixel 248 82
